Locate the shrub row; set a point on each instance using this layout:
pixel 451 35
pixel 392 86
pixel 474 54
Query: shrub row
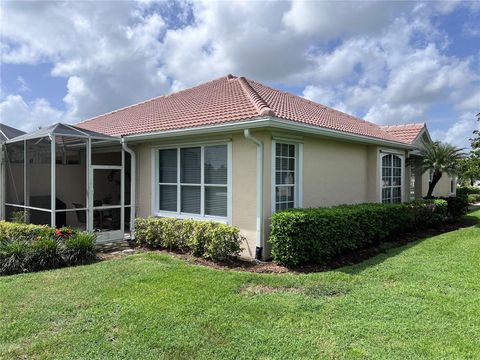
pixel 316 235
pixel 473 198
pixel 468 190
pixel 18 231
pixel 26 248
pixel 207 239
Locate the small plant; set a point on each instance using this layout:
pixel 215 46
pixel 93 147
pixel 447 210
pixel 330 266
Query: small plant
pixel 79 248
pixel 26 247
pixel 44 254
pixel 14 257
pixel 64 232
pixel 19 217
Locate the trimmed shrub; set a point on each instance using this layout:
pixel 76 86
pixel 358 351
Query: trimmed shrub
pixel 17 231
pixel 457 205
pixel 206 239
pixel 25 248
pixel 314 236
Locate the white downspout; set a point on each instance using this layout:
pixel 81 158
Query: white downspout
pixel 133 175
pixel 2 181
pixel 260 170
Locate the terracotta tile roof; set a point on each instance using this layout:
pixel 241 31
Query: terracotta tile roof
pixel 226 100
pixel 407 133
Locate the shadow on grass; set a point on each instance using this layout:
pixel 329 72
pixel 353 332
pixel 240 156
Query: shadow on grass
pixel 407 241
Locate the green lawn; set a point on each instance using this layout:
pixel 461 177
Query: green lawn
pixel 417 301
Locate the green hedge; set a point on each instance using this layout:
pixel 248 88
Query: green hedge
pixel 207 239
pixel 26 248
pixel 468 189
pixel 18 231
pixel 314 236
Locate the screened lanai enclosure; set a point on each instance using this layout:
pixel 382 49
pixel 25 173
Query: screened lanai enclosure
pixel 67 176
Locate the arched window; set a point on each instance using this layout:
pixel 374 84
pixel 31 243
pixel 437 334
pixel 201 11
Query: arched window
pixel 391 178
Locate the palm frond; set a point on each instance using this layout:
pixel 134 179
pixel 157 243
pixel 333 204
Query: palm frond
pixel 441 157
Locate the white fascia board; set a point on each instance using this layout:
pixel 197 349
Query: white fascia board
pixel 272 122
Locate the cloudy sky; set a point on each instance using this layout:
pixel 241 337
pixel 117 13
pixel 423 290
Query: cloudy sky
pixel 386 62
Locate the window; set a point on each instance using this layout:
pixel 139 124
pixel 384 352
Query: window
pixel 286 176
pixel 194 180
pixel 391 178
pixel 452 185
pixel 412 180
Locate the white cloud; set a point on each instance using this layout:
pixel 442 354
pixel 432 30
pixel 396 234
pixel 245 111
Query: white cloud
pixel 109 51
pixel 471 101
pixel 330 19
pixel 385 114
pixel 460 132
pixel 426 76
pixel 28 116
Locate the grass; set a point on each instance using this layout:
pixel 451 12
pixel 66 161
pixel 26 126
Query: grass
pixel 417 301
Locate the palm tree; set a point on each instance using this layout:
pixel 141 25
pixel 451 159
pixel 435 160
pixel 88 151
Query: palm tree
pixel 440 158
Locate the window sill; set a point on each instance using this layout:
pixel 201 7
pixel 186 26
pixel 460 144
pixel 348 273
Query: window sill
pixel 167 214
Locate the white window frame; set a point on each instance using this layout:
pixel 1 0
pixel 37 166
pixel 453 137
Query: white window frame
pixel 181 215
pixel 298 184
pixel 401 155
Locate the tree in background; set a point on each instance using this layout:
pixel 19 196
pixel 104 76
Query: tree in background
pixel 470 167
pixel 440 158
pixel 469 170
pixel 475 141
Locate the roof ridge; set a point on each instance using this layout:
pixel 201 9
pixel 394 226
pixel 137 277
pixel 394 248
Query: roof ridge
pixel 322 106
pixel 257 101
pixel 404 125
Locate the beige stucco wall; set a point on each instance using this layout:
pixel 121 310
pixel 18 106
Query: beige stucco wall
pixel 335 172
pixel 441 189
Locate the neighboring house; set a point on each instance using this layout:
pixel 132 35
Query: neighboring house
pixel 6 133
pixel 234 150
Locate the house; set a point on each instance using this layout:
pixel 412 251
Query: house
pixel 230 150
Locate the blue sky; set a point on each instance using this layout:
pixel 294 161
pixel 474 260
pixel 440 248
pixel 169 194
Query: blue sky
pixel 387 62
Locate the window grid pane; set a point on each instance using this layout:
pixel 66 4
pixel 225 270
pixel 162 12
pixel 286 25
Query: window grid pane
pixel 168 166
pixel 190 167
pixel 190 199
pixel 215 164
pixel 168 197
pixel 216 200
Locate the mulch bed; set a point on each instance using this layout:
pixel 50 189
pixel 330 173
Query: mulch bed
pixel 269 267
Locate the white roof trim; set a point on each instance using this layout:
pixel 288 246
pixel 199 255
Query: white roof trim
pixel 269 122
